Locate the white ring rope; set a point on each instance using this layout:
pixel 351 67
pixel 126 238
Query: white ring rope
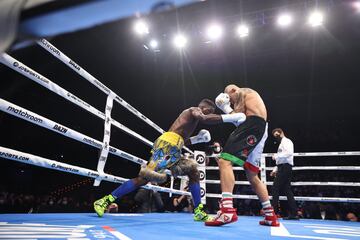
pixel 86 75
pixel 41 121
pixel 263 169
pixel 346 184
pixel 299 198
pixel 90 78
pixel 320 154
pixel 64 167
pixel 346 168
pixel 45 82
pixel 308 154
pixel 342 168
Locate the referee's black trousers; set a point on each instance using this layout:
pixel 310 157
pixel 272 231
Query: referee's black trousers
pixel 282 185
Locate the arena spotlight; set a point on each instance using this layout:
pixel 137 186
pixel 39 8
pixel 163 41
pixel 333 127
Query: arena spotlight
pixel 242 31
pixel 284 20
pixel 214 32
pixel 316 19
pixel 141 27
pixel 153 44
pixel 180 41
pixel 356 5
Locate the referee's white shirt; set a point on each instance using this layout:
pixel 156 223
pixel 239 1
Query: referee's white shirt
pixel 285 153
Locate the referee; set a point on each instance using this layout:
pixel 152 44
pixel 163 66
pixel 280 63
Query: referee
pixel 283 172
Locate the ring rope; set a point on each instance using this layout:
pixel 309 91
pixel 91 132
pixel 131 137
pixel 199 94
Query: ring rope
pixel 347 184
pixel 309 154
pixel 41 121
pixel 345 168
pixel 319 154
pixel 64 167
pixel 44 122
pixel 45 82
pixel 90 78
pixel 86 75
pixel 299 198
pixel 263 169
pixel 21 68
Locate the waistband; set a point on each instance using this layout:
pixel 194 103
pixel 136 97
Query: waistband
pixel 284 164
pixel 255 118
pixel 172 138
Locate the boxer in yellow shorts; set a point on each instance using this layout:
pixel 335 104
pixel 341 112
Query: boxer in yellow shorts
pixel 166 154
pixel 166 151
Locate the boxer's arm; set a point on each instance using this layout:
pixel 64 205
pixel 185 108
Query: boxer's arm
pixel 209 119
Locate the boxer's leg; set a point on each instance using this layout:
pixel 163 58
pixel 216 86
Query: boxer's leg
pixel 251 167
pixel 131 185
pixel 189 167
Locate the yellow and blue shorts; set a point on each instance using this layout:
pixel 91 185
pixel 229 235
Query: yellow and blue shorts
pixel 166 151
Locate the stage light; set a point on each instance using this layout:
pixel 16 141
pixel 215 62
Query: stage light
pixel 243 31
pixel 141 27
pixel 214 32
pixel 357 6
pixel 153 44
pixel 316 19
pixel 180 41
pixel 284 20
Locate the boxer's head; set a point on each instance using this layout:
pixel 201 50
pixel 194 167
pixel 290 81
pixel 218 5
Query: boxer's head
pixel 207 106
pixel 278 133
pixel 231 91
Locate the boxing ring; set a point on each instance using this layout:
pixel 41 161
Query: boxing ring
pixel 140 226
pixel 164 226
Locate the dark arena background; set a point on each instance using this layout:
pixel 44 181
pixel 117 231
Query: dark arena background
pixel 162 57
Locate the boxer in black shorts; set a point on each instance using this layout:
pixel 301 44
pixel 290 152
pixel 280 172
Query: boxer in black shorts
pixel 243 147
pixel 243 140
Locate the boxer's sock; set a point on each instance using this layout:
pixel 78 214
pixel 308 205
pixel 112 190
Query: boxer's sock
pixel 227 200
pixel 124 189
pixel 195 193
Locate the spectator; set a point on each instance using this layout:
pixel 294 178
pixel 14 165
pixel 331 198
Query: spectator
pixel 148 201
pixel 213 149
pixel 182 203
pixel 351 217
pixel 112 208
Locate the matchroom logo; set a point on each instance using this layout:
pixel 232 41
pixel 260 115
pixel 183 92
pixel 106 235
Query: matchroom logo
pixel 24 114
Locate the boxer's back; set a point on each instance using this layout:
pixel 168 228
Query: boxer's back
pixel 250 103
pixel 185 124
